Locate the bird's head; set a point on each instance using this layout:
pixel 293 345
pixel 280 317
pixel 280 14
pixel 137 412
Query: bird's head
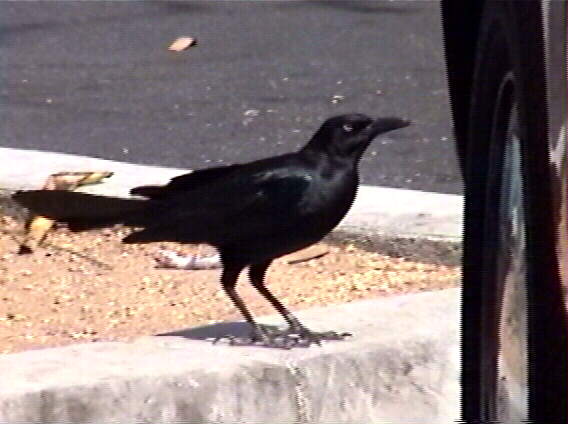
pixel 349 135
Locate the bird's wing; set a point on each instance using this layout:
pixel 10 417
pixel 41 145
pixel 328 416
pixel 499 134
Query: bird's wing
pixel 190 181
pixel 236 209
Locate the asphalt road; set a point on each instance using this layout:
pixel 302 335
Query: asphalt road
pixel 96 78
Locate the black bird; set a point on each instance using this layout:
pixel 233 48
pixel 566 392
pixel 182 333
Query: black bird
pixel 252 213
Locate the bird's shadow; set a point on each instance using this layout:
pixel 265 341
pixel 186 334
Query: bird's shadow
pixel 221 329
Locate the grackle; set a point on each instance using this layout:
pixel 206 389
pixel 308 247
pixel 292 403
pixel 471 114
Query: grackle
pixel 252 213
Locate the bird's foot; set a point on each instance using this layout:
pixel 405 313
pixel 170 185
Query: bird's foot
pixel 303 337
pixel 260 336
pixel 283 339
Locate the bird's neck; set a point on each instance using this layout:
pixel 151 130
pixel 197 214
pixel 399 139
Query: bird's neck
pixel 328 164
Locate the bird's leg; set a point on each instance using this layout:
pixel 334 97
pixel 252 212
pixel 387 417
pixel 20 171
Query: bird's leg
pixel 300 334
pixel 257 273
pixel 259 335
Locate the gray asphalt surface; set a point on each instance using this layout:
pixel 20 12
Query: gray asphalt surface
pixel 95 78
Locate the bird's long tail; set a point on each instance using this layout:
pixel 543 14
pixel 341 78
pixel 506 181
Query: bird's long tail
pixel 83 211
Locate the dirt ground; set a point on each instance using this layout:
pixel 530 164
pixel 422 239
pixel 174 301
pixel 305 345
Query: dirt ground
pixel 90 287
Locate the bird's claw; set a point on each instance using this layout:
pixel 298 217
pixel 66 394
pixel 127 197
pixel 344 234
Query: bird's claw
pixel 286 339
pixel 258 339
pixel 305 337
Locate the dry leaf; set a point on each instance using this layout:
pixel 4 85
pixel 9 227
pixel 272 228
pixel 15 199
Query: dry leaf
pixel 72 180
pixel 38 226
pixel 307 254
pixel 182 43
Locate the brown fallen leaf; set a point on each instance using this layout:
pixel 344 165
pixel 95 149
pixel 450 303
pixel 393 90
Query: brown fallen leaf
pixel 307 254
pixel 72 180
pixel 182 43
pixel 37 226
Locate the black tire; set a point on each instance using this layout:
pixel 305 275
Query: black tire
pixel 508 84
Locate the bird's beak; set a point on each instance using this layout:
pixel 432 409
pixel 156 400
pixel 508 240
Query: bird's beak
pixel 382 125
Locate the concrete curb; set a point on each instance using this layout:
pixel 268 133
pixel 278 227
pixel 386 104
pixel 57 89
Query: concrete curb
pixel 405 349
pixel 393 370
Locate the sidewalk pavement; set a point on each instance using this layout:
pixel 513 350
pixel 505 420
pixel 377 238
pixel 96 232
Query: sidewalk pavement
pixel 406 355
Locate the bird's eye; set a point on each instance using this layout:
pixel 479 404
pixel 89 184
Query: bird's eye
pixel 347 128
